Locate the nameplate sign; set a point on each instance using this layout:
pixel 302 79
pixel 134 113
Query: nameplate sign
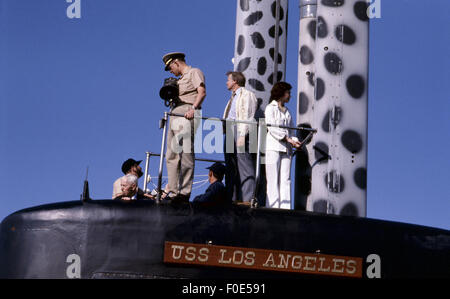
pixel 262 259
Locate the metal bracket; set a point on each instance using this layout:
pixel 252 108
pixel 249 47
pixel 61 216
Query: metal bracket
pixel 254 203
pixel 336 115
pixel 162 123
pixel 334 181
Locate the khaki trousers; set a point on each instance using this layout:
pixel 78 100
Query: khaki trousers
pixel 180 156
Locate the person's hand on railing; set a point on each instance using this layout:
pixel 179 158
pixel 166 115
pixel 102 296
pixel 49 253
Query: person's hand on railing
pixel 190 114
pixel 294 142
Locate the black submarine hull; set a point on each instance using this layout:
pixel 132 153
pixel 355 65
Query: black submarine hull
pixel 126 240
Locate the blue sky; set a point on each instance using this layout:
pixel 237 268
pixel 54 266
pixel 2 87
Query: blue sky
pixel 84 92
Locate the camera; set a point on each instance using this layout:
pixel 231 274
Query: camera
pixel 169 92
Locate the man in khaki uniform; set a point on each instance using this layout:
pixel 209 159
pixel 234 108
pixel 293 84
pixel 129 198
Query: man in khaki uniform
pixel 180 157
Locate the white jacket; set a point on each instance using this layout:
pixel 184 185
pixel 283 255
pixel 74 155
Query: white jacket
pixel 246 105
pixel 275 116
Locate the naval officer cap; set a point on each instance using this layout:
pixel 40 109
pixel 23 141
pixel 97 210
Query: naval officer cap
pixel 168 58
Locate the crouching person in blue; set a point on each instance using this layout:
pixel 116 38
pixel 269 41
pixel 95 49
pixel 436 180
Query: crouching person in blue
pixel 216 193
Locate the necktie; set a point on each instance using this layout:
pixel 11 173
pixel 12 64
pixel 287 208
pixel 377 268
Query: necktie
pixel 231 103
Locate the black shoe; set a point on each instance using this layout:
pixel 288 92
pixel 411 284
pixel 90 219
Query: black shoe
pixel 165 197
pixel 180 198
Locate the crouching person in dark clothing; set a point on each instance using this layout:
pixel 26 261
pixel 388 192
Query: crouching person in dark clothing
pixel 216 193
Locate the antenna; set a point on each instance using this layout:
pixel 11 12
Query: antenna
pixel 85 195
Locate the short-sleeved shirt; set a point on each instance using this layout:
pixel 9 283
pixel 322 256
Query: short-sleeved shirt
pixel 117 188
pixel 188 83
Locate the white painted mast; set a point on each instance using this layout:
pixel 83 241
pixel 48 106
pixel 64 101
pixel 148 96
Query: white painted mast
pixel 338 109
pixel 258 42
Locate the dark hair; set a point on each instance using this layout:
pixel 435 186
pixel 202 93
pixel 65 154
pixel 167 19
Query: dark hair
pixel 278 90
pixel 217 176
pixel 238 77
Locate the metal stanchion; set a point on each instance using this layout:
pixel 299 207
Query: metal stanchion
pixel 254 203
pixel 147 162
pixel 161 158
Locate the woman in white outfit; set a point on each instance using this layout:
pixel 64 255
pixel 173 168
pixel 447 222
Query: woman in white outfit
pixel 279 143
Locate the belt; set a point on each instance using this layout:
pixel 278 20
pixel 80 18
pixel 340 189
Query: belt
pixel 181 103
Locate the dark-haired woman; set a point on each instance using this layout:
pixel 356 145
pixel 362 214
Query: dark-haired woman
pixel 279 143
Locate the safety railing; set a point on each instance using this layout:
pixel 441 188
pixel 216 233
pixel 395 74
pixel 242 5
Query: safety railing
pixel 260 125
pixel 147 165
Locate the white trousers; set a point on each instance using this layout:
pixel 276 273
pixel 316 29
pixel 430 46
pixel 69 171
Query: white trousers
pixel 278 175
